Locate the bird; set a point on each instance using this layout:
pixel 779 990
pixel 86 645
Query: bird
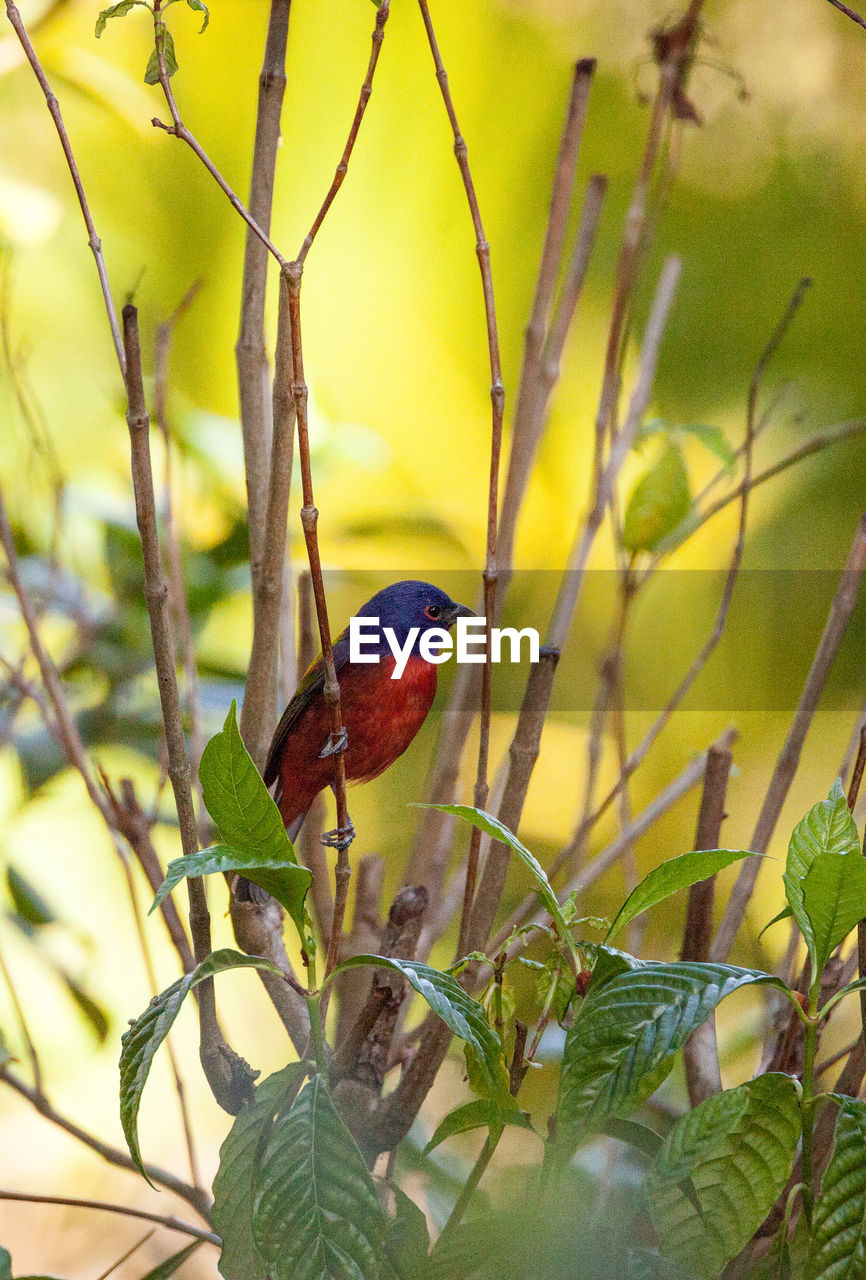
pixel 380 715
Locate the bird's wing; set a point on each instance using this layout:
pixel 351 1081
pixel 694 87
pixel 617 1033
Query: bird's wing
pixel 308 690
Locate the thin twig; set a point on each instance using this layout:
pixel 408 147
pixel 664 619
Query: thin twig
pixel 250 354
pixel 259 705
pixel 109 1270
pixel 178 129
pixel 176 583
pixel 147 957
pixel 194 1196
pixel 703 1077
pixel 228 1075
pixel 170 1222
pixel 849 13
pixel 523 440
pixel 857 773
pixel 586 876
pixel 496 866
pixel 29 1042
pixel 839 615
pixel 699 662
pixel 497 400
pixel 382 12
pixel 92 238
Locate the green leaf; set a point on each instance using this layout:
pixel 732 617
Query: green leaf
pixel 838 1250
pixel 116 11
pixel 27 901
pixel 163 1270
pixel 639 1136
pixel 460 1013
pixel 238 801
pixel 712 438
pixel 482 1113
pixel 234 1184
pixel 785 914
pixel 287 882
pixel 408 1238
pixel 498 831
pixel 827 828
pixel 658 503
pixel 93 1011
pixel 166 41
pixel 201 8
pixel 316 1211
pixel 737 1149
pixel 834 899
pixel 146 1034
pixel 5 1264
pixel 627 1032
pixel 670 877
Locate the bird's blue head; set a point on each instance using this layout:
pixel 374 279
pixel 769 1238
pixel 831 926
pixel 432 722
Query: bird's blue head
pixel 409 604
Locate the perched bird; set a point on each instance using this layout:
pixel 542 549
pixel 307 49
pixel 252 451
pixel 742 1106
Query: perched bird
pixel 380 715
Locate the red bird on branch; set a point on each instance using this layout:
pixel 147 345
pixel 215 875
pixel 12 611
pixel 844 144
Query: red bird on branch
pixel 380 715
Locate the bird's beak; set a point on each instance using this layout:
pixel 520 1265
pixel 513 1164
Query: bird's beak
pixel 455 611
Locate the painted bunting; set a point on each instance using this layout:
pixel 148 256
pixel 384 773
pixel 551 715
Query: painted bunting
pixel 380 715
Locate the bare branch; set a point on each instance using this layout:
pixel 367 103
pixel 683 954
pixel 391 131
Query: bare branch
pixel 259 706
pixel 524 438
pixel 194 1196
pixel 250 354
pixel 701 1053
pixel 840 613
pixel 496 866
pixel 170 1222
pixel 497 399
pixel 228 1075
pixel 594 870
pixel 849 13
pixel 92 238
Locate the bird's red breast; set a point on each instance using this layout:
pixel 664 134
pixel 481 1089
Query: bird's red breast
pixel 381 717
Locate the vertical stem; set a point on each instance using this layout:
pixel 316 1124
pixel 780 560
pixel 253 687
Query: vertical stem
pixel 309 521
pixel 808 1101
pixel 475 1176
pixel 497 400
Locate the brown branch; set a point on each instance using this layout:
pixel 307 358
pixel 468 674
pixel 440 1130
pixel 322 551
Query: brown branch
pixel 178 129
pixel 23 1025
pixel 857 772
pixel 701 1052
pixel 497 399
pixel 258 931
pixel 849 13
pixel 365 937
pixel 587 876
pixel 250 354
pixel 176 583
pixel 496 865
pixel 699 662
pixel 259 706
pixel 839 615
pixel 170 1222
pixel 228 1075
pixel 382 12
pixel 92 238
pixel 194 1196
pixel 134 825
pixel 524 438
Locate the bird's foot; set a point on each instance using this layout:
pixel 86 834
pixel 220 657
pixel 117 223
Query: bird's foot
pixel 340 837
pixel 336 743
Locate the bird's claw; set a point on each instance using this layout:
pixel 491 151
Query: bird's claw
pixel 336 743
pixel 340 838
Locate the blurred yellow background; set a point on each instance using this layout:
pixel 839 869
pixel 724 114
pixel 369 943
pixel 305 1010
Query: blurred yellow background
pixel 771 188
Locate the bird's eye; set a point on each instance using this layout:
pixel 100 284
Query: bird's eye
pixel 433 611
